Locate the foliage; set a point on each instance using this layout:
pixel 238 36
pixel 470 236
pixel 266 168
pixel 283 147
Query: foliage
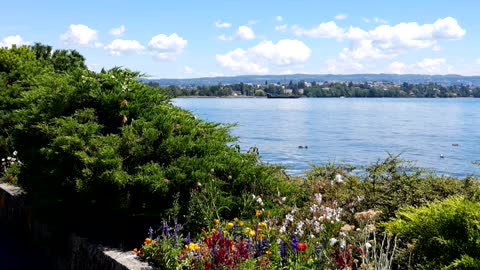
pixel 387 185
pixel 441 234
pixel 104 145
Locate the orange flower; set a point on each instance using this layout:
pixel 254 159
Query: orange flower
pixel 258 213
pixel 135 251
pixel 147 241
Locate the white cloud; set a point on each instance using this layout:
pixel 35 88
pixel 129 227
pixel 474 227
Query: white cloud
pixel 12 40
pixel 253 22
pixel 375 20
pixel 224 38
pixel 80 35
pixel 117 32
pixel 335 66
pixel 244 33
pixel 340 17
pixel 279 18
pixel 258 59
pixel 122 46
pixel 386 41
pixel 284 52
pixel 281 28
pixel 219 24
pixel 187 70
pixel 323 30
pixel 167 48
pixel 379 20
pixel 238 61
pixel 426 66
pixel 478 61
pixel 433 66
pixel 397 68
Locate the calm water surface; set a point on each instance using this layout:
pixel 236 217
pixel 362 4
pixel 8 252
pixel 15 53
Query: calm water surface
pixel 351 131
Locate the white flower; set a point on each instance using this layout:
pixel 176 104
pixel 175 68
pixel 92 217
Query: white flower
pixel 259 201
pixel 343 243
pixel 14 153
pixel 8 158
pixel 338 178
pixel 368 245
pixel 284 199
pixel 333 241
pixel 282 230
pixel 316 226
pixel 3 159
pixel 289 217
pixel 318 198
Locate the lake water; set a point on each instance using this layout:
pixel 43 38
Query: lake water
pixel 356 131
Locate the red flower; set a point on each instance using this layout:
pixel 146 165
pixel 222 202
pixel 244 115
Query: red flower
pixel 302 247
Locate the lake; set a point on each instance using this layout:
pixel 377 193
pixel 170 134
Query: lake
pixel 355 131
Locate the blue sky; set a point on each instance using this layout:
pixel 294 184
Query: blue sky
pixel 180 39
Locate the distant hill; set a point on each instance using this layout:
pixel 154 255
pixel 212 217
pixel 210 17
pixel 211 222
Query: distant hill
pixel 261 79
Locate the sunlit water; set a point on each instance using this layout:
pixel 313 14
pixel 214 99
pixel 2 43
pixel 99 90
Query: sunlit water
pixel 356 131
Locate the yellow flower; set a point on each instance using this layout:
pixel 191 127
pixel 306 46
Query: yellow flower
pixel 230 225
pixel 252 233
pixel 236 220
pixel 261 236
pixel 262 225
pixel 258 213
pixel 193 247
pixel 269 253
pixel 240 223
pixel 247 230
pixel 216 222
pixel 225 233
pixel 214 231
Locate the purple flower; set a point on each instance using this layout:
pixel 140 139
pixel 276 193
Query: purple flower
pixel 259 249
pixel 265 243
pixel 220 233
pixel 234 232
pixel 165 230
pixel 150 233
pixel 188 240
pixel 241 233
pixel 283 253
pixel 175 234
pixel 294 244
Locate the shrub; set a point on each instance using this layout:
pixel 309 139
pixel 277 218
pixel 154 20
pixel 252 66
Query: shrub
pixel 99 146
pixel 440 234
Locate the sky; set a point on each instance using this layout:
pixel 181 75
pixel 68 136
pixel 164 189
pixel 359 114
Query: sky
pixel 186 39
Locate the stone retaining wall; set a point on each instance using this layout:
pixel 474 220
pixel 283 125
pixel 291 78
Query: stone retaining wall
pixel 76 253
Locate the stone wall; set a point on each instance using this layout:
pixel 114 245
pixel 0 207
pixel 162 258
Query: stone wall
pixel 74 253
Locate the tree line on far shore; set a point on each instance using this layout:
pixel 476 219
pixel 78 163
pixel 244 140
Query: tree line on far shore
pixel 327 89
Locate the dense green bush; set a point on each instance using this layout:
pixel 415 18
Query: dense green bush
pixel 440 234
pixel 104 145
